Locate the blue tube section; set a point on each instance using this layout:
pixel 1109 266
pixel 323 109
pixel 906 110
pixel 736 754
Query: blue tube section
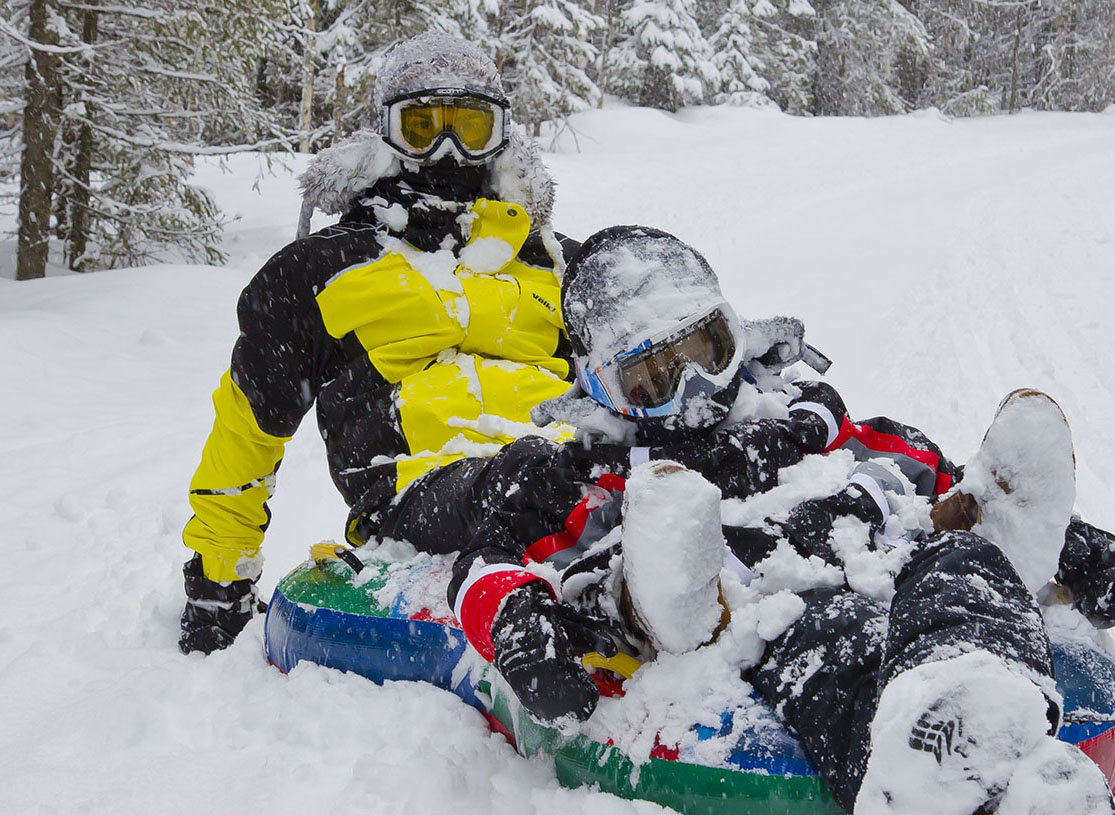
pixel 379 648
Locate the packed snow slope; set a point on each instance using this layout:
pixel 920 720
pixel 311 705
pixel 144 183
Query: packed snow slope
pixel 939 263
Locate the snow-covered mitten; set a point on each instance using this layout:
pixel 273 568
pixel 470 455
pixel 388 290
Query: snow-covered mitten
pixel 947 737
pixel 537 644
pixel 593 421
pixel 215 612
pixel 775 343
pixel 673 550
pixel 1019 488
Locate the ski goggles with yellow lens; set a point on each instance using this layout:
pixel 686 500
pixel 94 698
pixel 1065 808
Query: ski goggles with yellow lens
pixel 655 378
pixel 418 124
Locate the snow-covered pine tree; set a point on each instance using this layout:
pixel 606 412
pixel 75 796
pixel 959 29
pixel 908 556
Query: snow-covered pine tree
pixel 1076 57
pixel 321 35
pixel 352 34
pixel 611 33
pixel 153 89
pixel 959 81
pixel 471 20
pixel 547 48
pixel 784 41
pixel 141 88
pixel 708 14
pixel 35 135
pixel 871 58
pixel 664 61
pixel 309 11
pixel 13 62
pixel 733 54
pixel 984 53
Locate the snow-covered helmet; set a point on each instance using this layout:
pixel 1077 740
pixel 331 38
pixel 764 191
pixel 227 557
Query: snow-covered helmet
pixel 435 93
pixel 652 335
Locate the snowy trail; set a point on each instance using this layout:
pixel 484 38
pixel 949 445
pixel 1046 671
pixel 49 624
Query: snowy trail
pixel 941 264
pixel 1025 322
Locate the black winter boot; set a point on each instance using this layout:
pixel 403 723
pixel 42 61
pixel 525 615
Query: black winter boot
pixel 215 613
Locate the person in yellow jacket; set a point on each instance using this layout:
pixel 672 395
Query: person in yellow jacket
pixel 425 324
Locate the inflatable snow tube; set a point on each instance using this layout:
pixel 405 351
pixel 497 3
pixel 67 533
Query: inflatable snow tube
pixel 390 622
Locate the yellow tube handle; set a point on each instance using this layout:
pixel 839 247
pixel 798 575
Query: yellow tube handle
pixel 623 664
pixel 331 550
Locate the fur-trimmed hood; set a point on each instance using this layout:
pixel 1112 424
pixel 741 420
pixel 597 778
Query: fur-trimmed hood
pixel 338 175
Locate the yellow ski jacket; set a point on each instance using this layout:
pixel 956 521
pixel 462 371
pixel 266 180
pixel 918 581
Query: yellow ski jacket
pixel 414 359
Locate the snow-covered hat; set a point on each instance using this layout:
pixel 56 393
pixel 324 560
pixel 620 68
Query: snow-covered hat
pixel 436 60
pixel 633 281
pixel 628 293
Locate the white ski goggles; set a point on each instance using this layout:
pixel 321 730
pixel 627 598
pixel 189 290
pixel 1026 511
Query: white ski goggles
pixel 702 353
pixel 418 124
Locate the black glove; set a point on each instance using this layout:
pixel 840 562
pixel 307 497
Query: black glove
pixel 1087 569
pixel 215 612
pixel 808 527
pixel 752 544
pixel 537 644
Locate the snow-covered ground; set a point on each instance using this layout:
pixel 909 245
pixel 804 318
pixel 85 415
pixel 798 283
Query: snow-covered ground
pixel 940 264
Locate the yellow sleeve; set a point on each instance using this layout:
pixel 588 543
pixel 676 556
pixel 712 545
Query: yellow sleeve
pixel 229 491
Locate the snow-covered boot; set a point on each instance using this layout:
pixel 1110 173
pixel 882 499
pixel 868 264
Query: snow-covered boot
pixel 1019 488
pixel 673 550
pixel 947 737
pixel 1056 779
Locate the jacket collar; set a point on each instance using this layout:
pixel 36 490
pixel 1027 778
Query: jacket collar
pixel 339 177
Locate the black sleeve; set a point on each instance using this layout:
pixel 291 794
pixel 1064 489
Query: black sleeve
pixel 742 460
pixel 807 528
pixel 523 493
pixel 820 404
pixel 569 246
pixel 534 251
pixel 278 357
